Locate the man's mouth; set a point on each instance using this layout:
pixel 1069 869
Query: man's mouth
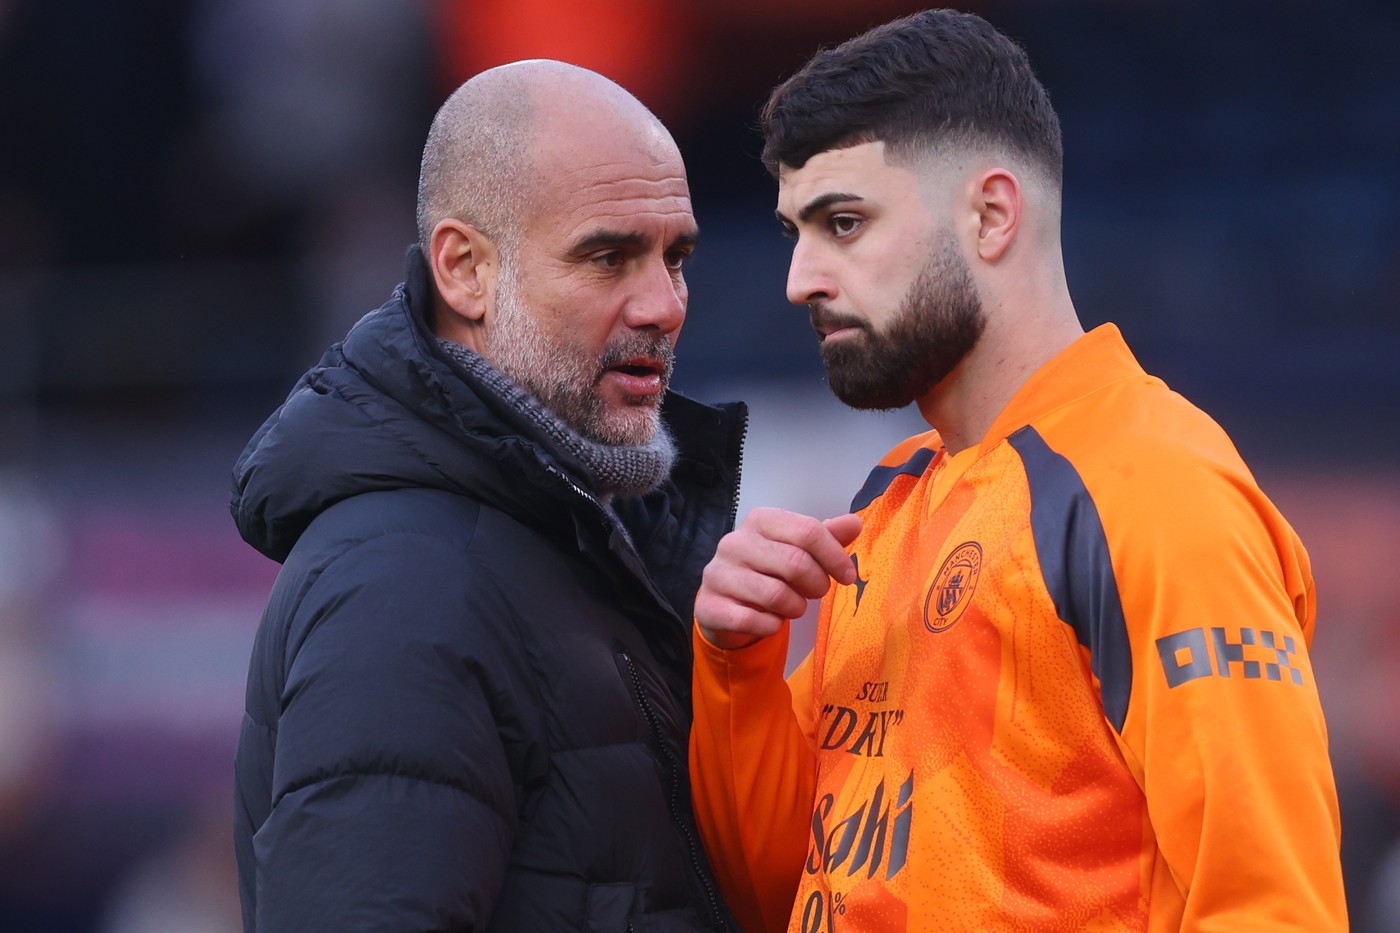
pixel 828 323
pixel 824 332
pixel 638 376
pixel 638 367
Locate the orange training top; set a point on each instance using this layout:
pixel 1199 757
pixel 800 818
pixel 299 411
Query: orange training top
pixel 1069 691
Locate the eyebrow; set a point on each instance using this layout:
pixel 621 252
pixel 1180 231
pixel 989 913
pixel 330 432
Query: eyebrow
pixel 616 239
pixel 820 202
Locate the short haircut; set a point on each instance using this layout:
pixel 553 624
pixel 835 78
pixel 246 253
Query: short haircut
pixel 922 84
pixel 476 161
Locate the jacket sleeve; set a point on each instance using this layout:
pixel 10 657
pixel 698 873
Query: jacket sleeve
pixel 1224 729
pixel 392 800
pixel 753 774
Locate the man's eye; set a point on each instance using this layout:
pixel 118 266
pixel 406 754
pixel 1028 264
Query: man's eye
pixel 676 259
pixel 611 259
pixel 845 224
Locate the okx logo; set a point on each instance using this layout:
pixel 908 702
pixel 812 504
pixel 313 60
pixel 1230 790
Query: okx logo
pixel 1201 652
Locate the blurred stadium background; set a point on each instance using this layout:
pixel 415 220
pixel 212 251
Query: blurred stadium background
pixel 196 196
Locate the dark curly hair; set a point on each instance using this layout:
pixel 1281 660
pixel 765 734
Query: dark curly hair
pixel 932 79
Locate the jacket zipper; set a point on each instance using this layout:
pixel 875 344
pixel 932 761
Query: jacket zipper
pixel 738 471
pixel 583 494
pixel 692 845
pixel 607 522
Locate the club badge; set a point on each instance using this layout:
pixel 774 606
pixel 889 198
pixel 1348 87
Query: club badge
pixel 952 588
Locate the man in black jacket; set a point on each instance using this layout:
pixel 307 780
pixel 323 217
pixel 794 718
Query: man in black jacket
pixel 468 699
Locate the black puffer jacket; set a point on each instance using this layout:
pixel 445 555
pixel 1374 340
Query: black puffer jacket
pixel 468 700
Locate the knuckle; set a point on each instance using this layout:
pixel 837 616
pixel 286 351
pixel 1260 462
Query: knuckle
pixel 796 564
pixel 773 591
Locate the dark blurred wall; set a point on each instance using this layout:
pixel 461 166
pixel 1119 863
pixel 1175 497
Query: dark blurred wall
pixel 180 176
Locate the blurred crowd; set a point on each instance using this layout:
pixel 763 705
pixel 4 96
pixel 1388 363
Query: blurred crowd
pixel 197 196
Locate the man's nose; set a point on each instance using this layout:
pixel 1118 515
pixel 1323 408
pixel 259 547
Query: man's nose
pixel 659 302
pixel 806 282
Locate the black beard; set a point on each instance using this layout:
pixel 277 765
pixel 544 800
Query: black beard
pixel 938 323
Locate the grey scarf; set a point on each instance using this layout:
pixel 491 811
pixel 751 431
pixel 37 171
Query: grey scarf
pixel 616 470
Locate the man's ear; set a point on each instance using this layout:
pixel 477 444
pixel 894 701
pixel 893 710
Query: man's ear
pixel 999 204
pixel 465 264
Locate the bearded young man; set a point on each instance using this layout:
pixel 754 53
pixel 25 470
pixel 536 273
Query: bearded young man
pixel 467 702
pixel 1062 681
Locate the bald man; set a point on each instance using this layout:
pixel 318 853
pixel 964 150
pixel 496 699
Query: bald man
pixel 467 704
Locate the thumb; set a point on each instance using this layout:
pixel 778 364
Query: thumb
pixel 844 528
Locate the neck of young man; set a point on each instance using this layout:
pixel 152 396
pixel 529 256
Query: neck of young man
pixel 963 407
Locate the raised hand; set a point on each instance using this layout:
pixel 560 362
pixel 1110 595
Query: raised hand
pixel 766 570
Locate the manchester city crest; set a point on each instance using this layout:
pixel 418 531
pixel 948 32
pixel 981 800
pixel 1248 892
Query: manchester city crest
pixel 953 587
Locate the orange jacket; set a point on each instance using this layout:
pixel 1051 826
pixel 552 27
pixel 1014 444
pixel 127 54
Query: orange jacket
pixel 1070 691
